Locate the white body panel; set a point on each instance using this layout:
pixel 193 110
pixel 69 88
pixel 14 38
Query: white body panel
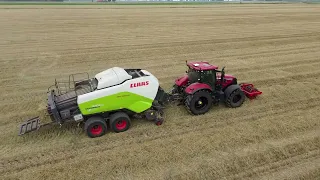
pixel 111 77
pixel 146 86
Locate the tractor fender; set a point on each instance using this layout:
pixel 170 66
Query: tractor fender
pixel 230 89
pixel 192 88
pixel 182 81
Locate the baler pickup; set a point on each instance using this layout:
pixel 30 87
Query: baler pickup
pixel 249 90
pixel 30 125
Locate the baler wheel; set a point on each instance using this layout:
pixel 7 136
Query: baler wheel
pixel 235 99
pixel 199 102
pixel 119 122
pixel 95 127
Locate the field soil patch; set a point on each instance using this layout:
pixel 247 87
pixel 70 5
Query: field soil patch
pixel 275 46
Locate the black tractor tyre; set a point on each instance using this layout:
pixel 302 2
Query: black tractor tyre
pixel 235 98
pixel 199 102
pixel 95 127
pixel 119 122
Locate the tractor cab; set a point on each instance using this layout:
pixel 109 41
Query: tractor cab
pixel 202 72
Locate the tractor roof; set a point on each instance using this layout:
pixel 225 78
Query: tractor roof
pixel 201 66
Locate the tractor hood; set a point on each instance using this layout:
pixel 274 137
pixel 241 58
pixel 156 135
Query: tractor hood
pixel 111 77
pixel 228 80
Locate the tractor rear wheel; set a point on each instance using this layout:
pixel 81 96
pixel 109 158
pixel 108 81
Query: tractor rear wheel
pixel 119 122
pixel 199 102
pixel 235 98
pixel 95 127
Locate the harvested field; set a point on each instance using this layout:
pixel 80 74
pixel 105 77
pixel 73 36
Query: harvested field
pixel 276 47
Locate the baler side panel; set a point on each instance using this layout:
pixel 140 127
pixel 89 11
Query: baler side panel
pixel 136 95
pixel 123 100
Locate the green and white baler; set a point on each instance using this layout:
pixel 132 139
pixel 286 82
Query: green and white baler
pixel 108 100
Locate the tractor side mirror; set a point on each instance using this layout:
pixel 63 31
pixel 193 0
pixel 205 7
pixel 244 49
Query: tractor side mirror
pixel 222 75
pixel 222 71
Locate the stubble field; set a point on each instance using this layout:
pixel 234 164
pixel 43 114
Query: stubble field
pixel 276 47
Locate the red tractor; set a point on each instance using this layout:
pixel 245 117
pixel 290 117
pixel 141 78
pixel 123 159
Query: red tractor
pixel 204 85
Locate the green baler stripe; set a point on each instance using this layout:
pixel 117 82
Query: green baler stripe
pixel 123 100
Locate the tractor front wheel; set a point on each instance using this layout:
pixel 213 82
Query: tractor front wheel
pixel 235 99
pixel 119 122
pixel 95 127
pixel 199 102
